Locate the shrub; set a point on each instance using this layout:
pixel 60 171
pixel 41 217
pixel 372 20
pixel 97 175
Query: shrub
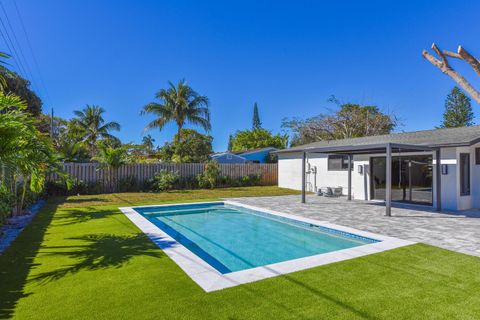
pixel 59 188
pixel 210 176
pixel 250 180
pixel 165 180
pixel 82 187
pixel 128 184
pixel 6 203
pixel 188 183
pixel 55 188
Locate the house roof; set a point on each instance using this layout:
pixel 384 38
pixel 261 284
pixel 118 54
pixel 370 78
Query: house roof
pixel 254 150
pixel 219 154
pixel 464 136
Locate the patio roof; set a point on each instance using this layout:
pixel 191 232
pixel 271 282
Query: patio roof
pixel 444 137
pixel 388 149
pixel 368 148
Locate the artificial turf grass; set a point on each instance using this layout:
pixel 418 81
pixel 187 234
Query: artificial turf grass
pixel 104 267
pixel 139 198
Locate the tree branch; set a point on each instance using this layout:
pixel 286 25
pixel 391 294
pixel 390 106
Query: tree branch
pixel 437 63
pixel 444 66
pixel 470 59
pixel 452 54
pixel 441 55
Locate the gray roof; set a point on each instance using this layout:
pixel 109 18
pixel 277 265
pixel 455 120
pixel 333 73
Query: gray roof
pixel 241 153
pixel 464 136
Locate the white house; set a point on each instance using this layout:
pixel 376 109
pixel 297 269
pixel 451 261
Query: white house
pixel 396 167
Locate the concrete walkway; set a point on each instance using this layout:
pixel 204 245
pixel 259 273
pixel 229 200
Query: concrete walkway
pixel 458 231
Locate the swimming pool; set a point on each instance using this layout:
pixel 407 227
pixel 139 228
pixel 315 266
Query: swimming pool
pixel 221 244
pixel 232 238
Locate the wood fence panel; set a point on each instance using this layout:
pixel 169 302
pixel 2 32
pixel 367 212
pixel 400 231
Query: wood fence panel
pixel 93 173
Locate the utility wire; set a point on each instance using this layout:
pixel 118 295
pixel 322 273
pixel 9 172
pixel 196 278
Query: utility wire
pixel 13 50
pixel 10 50
pixel 35 61
pixel 16 44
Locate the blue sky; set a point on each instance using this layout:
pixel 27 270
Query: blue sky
pixel 289 57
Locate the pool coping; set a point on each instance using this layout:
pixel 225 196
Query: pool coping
pixel 209 279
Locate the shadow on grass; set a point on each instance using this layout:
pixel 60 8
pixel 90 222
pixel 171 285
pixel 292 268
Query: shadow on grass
pixel 74 216
pixel 100 251
pixel 17 261
pixel 83 200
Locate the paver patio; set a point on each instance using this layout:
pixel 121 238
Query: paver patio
pixel 458 231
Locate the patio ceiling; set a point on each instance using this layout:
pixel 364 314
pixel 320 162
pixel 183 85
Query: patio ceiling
pixel 388 149
pixel 369 149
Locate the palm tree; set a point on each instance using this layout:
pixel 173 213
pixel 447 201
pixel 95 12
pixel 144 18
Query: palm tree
pixel 3 82
pixel 111 159
pixel 92 127
pixel 179 103
pixel 26 155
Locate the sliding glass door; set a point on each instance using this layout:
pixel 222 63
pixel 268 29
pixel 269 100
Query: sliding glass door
pixel 411 178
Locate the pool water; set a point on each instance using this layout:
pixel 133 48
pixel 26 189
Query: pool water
pixel 232 238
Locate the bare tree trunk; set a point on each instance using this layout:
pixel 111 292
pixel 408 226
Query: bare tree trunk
pixel 179 133
pixel 445 67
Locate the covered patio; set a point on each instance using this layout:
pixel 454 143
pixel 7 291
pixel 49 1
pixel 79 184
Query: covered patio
pixel 384 148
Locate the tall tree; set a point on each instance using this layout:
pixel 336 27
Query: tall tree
pixel 458 110
pixel 350 121
pixel 20 87
pixel 260 138
pixel 191 147
pixel 443 64
pixel 180 104
pixel 256 123
pixel 92 127
pixel 148 141
pixel 230 142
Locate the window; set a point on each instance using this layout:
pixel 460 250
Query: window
pixel 338 163
pixel 464 174
pixel 477 155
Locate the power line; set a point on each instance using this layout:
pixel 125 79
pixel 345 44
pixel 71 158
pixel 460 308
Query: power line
pixel 16 44
pixel 11 49
pixel 35 61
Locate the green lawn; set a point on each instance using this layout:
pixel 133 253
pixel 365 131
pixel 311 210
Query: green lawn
pixel 83 259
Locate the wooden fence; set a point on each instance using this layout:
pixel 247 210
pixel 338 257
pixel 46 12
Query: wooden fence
pixel 92 172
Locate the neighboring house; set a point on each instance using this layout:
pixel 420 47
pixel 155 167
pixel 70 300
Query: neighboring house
pixel 257 155
pixel 227 157
pixel 251 156
pixel 415 175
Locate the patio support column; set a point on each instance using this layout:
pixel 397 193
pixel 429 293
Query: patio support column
pixel 304 158
pixel 438 184
pixel 349 177
pixel 388 181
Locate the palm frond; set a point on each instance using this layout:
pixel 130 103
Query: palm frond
pixel 110 126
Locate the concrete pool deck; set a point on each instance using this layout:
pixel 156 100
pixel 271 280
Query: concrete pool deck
pixel 457 231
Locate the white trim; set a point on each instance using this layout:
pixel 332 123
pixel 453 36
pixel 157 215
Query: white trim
pixel 209 279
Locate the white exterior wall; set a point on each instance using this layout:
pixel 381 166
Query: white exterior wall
pixel 475 178
pixel 449 182
pixel 290 167
pixel 290 174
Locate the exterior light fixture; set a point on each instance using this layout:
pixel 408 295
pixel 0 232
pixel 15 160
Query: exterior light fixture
pixel 444 169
